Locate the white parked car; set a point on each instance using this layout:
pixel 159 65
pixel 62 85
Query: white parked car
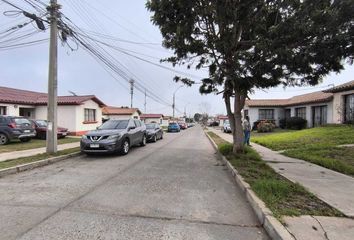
pixel 226 127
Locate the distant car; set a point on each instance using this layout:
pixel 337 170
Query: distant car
pixel 114 136
pixel 153 132
pixel 41 129
pixel 12 127
pixel 173 127
pixel 226 127
pixel 213 124
pixel 182 125
pixel 189 125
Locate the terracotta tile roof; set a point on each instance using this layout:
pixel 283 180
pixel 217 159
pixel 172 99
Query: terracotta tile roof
pixel 142 116
pixel 342 87
pixel 109 110
pixel 17 96
pixel 223 117
pixel 12 95
pixel 315 97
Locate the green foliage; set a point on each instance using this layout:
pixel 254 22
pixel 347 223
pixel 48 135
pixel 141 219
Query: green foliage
pixel 225 148
pixel 265 126
pixel 247 44
pixel 296 123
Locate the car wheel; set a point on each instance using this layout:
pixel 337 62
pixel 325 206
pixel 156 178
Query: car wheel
pixel 143 141
pixel 154 139
pixel 25 139
pixel 125 147
pixel 3 139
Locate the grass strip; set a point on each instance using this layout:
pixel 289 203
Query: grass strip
pixel 316 145
pixel 281 196
pixel 17 145
pixel 34 158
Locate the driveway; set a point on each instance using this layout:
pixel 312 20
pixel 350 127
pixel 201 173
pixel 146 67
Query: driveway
pixel 172 189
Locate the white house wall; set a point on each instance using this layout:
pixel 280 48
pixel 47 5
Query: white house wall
pixel 80 117
pixel 66 116
pixel 118 117
pixel 14 109
pixel 338 105
pixel 150 120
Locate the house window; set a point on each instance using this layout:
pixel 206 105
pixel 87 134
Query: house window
pixel 2 110
pixel 300 112
pixel 266 114
pixel 349 108
pixel 319 115
pixel 90 115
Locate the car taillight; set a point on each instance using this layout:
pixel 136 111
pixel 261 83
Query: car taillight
pixel 12 125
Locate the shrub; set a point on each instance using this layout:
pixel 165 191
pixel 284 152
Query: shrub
pixel 265 126
pixel 282 123
pixel 296 123
pixel 225 148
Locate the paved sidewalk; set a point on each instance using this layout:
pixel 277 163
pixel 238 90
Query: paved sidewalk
pixel 334 188
pixel 30 152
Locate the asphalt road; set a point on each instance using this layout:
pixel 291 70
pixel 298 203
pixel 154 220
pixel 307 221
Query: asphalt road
pixel 172 189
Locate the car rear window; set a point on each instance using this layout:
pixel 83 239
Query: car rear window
pixel 150 126
pixel 21 121
pixel 114 124
pixel 41 123
pixel 173 124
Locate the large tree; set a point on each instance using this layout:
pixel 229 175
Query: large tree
pixel 249 44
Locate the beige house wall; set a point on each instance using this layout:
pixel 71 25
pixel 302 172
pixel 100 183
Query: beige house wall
pixel 338 106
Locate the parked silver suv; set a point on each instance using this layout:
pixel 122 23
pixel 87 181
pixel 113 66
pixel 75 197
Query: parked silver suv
pixel 12 127
pixel 114 136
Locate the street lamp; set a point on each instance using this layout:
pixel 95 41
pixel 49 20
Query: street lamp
pixel 173 104
pixel 185 111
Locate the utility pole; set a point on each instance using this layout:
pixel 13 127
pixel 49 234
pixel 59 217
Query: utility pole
pixel 131 92
pixel 52 79
pixel 145 102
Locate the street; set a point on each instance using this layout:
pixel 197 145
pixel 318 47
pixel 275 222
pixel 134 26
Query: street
pixel 172 189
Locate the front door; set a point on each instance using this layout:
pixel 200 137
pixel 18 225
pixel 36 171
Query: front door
pixel 319 116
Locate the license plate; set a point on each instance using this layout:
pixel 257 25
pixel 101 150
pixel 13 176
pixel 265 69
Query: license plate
pixel 94 145
pixel 27 131
pixel 64 134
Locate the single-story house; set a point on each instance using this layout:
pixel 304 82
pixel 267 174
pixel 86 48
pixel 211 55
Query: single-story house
pixel 166 120
pixel 77 113
pixel 152 118
pixel 334 105
pixel 110 112
pixel 222 119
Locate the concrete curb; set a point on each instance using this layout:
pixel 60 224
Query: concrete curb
pixel 36 164
pixel 272 226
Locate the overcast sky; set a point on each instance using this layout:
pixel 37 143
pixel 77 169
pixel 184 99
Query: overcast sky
pixel 78 72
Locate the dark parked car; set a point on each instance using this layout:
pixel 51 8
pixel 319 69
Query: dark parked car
pixel 182 125
pixel 114 136
pixel 15 128
pixel 41 129
pixel 173 127
pixel 153 132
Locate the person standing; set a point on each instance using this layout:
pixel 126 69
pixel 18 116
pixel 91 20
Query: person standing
pixel 246 130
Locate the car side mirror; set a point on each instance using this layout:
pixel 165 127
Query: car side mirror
pixel 130 128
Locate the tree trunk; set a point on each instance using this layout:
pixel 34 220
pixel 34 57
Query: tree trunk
pixel 235 119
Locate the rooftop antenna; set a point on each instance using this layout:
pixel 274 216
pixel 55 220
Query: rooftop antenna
pixel 72 93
